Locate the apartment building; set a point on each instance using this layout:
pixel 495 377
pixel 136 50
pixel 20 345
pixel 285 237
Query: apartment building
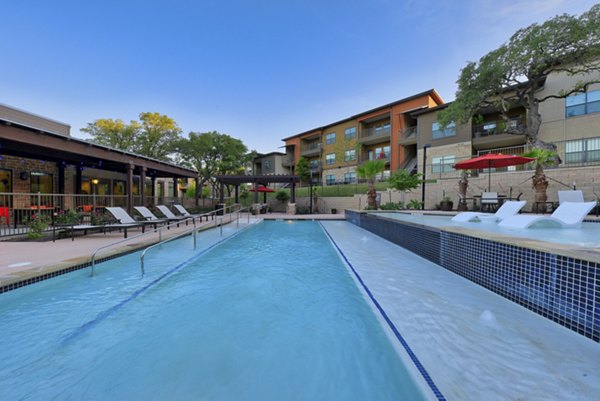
pixel 573 124
pixel 387 132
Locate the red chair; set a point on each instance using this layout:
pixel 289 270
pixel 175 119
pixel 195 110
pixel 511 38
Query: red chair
pixel 4 212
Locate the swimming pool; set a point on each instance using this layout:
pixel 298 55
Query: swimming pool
pixel 272 314
pixel 588 235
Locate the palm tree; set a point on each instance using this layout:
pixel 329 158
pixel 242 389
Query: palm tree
pixel 369 171
pixel 543 158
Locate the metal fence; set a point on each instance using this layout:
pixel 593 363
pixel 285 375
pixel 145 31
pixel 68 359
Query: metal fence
pixel 18 209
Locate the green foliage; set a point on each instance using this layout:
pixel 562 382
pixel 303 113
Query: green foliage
pixel 392 206
pixel 37 223
pixel 370 169
pixel 212 153
pixel 414 204
pixel 403 181
pixel 543 157
pixel 512 74
pixel 155 135
pixel 99 218
pixel 70 216
pixel 303 169
pixel 282 195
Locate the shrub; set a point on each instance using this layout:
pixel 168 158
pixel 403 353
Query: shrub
pixel 282 195
pixel 70 216
pixel 36 224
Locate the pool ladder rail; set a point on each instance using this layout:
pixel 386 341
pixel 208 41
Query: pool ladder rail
pixel 222 213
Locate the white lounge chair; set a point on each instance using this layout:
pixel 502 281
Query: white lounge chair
pixel 149 216
pixel 508 208
pixel 169 214
pixel 567 215
pixel 124 218
pixel 570 196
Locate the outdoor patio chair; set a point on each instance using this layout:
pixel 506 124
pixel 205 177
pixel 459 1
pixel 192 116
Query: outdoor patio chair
pixel 489 200
pixel 185 213
pixel 570 196
pixel 508 208
pixel 171 217
pixel 149 216
pixel 126 221
pixel 567 215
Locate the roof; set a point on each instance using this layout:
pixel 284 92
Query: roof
pixel 431 92
pixel 29 142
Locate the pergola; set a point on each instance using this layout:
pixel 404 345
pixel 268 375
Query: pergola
pixel 26 142
pixel 256 180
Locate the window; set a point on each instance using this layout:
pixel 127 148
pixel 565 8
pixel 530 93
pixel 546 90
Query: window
pixel 5 186
pixel 313 164
pixel 382 152
pixel 383 176
pixel 350 178
pixel 350 133
pixel 330 138
pixel 442 164
pixel 582 103
pixel 41 182
pixel 582 151
pixel 438 133
pixel 330 158
pixel 350 155
pixel 330 179
pixel 267 165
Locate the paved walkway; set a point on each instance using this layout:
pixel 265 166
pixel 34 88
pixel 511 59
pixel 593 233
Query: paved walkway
pixel 23 260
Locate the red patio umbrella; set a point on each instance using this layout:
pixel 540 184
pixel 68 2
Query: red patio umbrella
pixel 492 160
pixel 264 190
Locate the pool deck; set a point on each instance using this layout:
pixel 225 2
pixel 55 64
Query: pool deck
pixel 25 260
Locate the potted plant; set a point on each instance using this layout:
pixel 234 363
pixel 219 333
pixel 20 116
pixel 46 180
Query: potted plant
pixel 446 204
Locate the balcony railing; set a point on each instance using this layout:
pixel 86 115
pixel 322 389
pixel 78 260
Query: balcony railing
pixel 366 157
pixel 373 132
pixel 495 127
pixel 287 161
pixel 410 132
pixel 311 148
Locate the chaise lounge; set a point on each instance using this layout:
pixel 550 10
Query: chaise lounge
pixel 171 217
pixel 508 208
pixel 567 215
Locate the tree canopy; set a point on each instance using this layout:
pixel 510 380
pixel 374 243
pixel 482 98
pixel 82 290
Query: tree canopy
pixel 155 135
pixel 213 153
pixel 513 73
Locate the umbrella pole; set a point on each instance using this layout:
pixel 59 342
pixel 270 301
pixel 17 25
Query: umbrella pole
pixel 489 176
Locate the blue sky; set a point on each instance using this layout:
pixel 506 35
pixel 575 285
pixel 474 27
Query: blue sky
pixel 259 70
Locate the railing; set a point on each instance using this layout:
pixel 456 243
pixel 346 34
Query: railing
pixel 193 231
pixel 366 157
pixel 495 127
pixel 16 209
pixel 410 132
pixel 366 133
pixel 311 147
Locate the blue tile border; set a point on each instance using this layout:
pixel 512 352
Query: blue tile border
pixel 393 327
pixel 563 289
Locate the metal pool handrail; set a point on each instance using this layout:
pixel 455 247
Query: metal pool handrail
pixel 159 230
pixel 193 231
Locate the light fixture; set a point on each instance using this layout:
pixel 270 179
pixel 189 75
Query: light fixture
pixel 95 181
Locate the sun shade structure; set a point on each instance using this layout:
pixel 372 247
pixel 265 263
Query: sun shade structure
pixel 257 181
pixel 492 160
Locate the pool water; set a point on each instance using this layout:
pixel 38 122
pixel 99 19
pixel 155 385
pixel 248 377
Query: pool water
pixel 271 314
pixel 588 235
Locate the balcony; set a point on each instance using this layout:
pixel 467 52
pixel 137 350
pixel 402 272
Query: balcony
pixel 499 133
pixel 373 135
pixel 408 136
pixel 384 156
pixel 311 149
pixel 287 161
